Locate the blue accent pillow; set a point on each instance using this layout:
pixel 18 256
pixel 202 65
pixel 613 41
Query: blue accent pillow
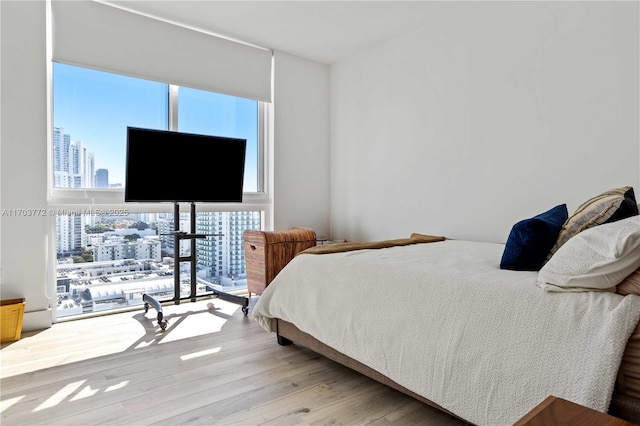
pixel 531 240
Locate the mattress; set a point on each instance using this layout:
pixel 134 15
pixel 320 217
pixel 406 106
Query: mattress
pixel 442 320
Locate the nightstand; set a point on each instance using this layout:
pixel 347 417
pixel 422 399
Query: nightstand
pixel 558 411
pixel 267 252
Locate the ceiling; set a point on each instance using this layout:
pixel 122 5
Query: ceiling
pixel 322 31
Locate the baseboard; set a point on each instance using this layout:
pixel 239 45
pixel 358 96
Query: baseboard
pixel 37 320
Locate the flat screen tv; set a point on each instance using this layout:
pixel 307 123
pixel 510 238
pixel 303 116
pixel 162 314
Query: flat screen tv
pixel 167 166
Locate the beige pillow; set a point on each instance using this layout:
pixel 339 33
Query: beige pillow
pixel 607 207
pixel 630 285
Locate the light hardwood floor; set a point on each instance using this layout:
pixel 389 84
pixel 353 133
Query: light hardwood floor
pixel 211 366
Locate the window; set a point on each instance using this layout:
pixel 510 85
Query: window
pixel 108 252
pixel 91 112
pixel 214 114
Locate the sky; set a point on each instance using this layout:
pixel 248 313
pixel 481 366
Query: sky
pixel 96 107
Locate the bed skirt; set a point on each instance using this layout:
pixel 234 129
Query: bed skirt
pixel 623 402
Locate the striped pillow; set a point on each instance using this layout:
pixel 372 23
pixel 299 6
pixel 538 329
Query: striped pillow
pixel 610 206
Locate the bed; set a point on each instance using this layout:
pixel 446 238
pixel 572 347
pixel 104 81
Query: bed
pixel 444 322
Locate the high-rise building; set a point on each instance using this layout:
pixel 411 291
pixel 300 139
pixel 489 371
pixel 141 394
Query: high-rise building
pixel 222 252
pixel 102 178
pixel 89 170
pixel 73 166
pixel 166 227
pixel 61 144
pixel 81 165
pixel 70 234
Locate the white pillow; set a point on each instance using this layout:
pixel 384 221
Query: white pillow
pixel 596 259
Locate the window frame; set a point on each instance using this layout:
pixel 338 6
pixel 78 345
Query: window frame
pixel 106 199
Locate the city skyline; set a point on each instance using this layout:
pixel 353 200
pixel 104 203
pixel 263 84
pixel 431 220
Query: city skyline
pixel 74 164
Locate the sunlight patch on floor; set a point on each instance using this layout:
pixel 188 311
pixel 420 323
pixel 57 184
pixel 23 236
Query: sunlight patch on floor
pixel 85 392
pixel 6 403
pixel 199 354
pixel 120 385
pixel 60 396
pixel 184 321
pixel 119 332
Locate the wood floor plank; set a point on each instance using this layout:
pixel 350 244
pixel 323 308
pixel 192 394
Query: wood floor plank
pixel 296 404
pixel 213 365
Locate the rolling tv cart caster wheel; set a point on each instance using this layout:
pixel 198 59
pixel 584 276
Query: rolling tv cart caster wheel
pixel 245 310
pixel 161 323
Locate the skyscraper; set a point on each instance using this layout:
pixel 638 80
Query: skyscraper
pixel 73 167
pixel 223 251
pixel 61 143
pixel 89 170
pixel 102 178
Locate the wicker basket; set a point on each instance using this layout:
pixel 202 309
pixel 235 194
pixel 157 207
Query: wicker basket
pixel 267 252
pixel 11 314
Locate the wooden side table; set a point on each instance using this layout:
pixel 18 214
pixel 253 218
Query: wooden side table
pixel 267 252
pixel 558 411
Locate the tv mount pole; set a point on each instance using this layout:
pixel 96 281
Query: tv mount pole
pixel 178 236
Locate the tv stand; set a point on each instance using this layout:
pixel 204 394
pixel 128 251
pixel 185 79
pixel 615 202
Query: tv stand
pixel 178 236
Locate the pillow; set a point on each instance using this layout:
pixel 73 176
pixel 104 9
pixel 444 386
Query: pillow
pixel 531 239
pixel 607 207
pixel 597 259
pixel 630 285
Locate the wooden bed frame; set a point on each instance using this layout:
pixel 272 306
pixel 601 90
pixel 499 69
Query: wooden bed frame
pixel 623 406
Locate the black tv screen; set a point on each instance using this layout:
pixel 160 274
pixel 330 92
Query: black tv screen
pixel 167 166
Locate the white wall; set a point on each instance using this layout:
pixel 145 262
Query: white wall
pixel 301 166
pixel 25 244
pixel 489 113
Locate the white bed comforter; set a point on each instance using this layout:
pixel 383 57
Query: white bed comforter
pixel 442 320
